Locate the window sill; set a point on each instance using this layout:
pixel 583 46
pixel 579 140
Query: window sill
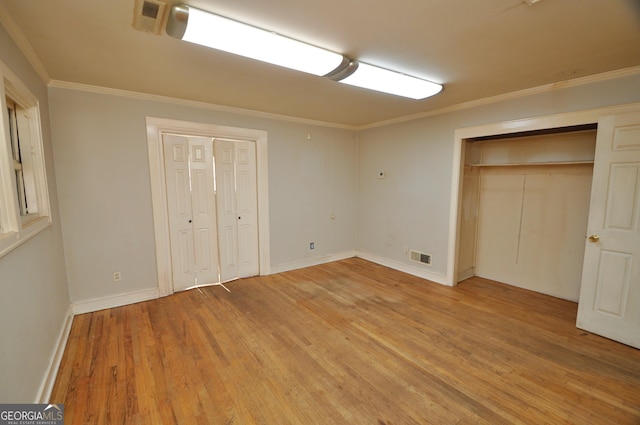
pixel 29 219
pixel 11 240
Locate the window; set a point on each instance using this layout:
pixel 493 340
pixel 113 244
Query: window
pixel 24 199
pixel 14 138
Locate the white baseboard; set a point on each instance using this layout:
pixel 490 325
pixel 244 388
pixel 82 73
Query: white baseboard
pixel 396 265
pixel 466 274
pixel 406 268
pixel 314 261
pixel 96 304
pixel 44 393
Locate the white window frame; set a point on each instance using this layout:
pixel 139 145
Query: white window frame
pixel 16 228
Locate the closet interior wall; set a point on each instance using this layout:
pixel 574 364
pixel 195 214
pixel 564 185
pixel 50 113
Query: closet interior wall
pixel 525 203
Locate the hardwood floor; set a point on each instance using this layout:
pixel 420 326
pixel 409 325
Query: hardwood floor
pixel 349 342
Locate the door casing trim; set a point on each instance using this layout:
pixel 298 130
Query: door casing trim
pixel 527 124
pixel 155 129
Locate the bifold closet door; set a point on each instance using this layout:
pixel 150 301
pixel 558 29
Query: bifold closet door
pixel 237 208
pixel 191 210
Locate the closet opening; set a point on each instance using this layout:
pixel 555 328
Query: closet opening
pixel 524 208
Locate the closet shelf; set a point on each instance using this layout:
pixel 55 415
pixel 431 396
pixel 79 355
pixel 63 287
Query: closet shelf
pixel 519 164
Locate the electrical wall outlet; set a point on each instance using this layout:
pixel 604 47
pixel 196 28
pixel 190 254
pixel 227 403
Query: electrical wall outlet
pixel 117 277
pixel 312 245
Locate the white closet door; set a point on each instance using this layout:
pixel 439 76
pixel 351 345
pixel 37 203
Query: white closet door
pixel 203 203
pixel 247 207
pixel 191 208
pixel 610 293
pixel 226 203
pixel 176 158
pixel 237 208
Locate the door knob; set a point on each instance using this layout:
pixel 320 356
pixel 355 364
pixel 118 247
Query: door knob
pixel 594 238
pixel 190 221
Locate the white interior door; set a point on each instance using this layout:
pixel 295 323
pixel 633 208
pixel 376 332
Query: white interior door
pixel 176 156
pixel 237 208
pixel 610 292
pixel 203 205
pixel 227 218
pixel 247 208
pixel 191 210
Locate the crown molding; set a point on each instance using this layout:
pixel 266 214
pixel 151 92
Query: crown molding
pixel 591 79
pixel 193 104
pixel 605 76
pixel 19 38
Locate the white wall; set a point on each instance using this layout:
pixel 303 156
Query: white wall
pixel 100 149
pixel 34 299
pixel 103 175
pixel 410 207
pixel 309 182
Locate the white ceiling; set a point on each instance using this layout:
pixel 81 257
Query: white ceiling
pixel 476 48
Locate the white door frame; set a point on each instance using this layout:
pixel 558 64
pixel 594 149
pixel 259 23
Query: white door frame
pixel 155 128
pixel 589 116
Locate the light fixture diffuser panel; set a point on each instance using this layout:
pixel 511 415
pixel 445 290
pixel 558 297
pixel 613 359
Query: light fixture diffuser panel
pixel 225 34
pixel 379 79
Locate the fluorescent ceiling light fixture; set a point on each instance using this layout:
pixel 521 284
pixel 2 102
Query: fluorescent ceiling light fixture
pixel 379 79
pixel 204 28
pixel 197 26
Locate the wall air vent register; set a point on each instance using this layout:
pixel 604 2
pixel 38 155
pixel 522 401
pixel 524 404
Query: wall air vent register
pixel 420 257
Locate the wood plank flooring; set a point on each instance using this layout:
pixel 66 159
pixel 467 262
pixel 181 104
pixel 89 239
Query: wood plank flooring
pixel 349 342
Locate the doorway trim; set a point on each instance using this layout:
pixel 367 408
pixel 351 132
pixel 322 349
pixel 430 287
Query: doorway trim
pixel 567 119
pixel 155 129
